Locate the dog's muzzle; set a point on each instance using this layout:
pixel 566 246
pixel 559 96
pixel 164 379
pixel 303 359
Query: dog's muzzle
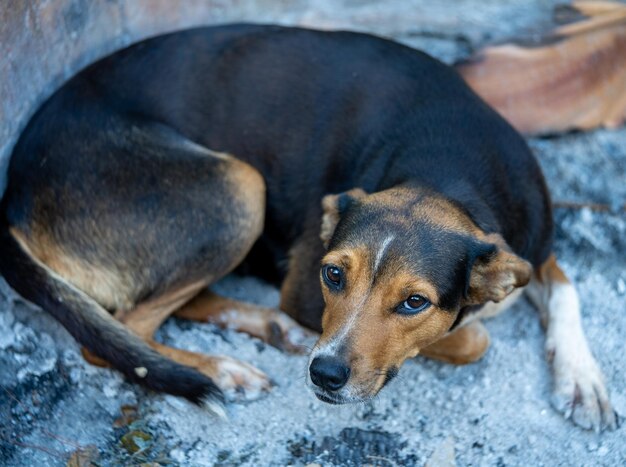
pixel 329 373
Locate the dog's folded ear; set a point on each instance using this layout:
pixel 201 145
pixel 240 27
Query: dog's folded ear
pixel 334 206
pixel 494 272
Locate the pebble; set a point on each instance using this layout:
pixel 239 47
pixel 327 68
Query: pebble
pixel 443 455
pixel 178 455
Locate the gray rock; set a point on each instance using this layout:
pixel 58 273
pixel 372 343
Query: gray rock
pixel 51 400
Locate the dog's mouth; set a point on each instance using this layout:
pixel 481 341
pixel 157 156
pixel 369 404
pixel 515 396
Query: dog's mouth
pixel 334 400
pixel 338 399
pixel 351 394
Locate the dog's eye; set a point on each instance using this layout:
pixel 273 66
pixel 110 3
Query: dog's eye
pixel 414 304
pixel 332 276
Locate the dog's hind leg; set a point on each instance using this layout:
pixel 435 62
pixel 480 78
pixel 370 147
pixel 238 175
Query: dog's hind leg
pixel 238 380
pixel 140 222
pixel 268 324
pixel 579 391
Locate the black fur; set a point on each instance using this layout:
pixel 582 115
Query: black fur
pixel 315 113
pixel 323 112
pixel 92 326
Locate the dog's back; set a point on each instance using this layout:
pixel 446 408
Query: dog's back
pixel 313 112
pixel 325 111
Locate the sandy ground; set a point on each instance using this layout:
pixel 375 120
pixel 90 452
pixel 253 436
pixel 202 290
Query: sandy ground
pixel 495 412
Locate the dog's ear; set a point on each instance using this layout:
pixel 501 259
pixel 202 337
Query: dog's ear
pixel 334 206
pixel 494 271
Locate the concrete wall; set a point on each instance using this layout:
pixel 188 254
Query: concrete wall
pixel 44 42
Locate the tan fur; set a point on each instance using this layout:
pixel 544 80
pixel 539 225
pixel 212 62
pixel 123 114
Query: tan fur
pixel 147 317
pixel 361 320
pixel 230 374
pixel 378 338
pixel 495 279
pixel 330 215
pixel 116 289
pixel 465 345
pixel 434 208
pixel 268 324
pixel 111 289
pixel 236 378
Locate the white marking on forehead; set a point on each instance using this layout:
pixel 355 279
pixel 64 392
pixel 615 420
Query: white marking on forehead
pixel 381 252
pixel 331 348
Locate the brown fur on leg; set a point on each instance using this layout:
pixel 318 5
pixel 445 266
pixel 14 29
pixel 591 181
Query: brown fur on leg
pixel 465 345
pixel 268 324
pixel 147 317
pixel 238 380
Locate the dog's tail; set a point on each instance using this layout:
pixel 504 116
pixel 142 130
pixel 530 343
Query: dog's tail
pixel 93 327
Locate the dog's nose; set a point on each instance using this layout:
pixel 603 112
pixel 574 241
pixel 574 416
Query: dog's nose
pixel 329 373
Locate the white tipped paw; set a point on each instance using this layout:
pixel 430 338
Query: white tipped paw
pixel 579 391
pixel 240 381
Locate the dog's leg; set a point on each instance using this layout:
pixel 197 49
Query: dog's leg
pixel 147 317
pixel 268 324
pixel 465 345
pixel 238 380
pixel 579 391
pixel 469 342
pixel 179 218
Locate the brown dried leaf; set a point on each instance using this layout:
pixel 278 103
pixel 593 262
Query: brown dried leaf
pixel 83 457
pixel 575 80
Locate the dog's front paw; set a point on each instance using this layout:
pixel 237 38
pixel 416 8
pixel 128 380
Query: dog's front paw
pixel 579 390
pixel 286 334
pixel 239 381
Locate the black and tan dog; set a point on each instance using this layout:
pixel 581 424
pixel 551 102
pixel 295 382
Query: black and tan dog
pixel 117 214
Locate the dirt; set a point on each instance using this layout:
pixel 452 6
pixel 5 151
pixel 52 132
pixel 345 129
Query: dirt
pixel 495 412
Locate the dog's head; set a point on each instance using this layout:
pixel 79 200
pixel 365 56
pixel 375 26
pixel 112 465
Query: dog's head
pixel 399 266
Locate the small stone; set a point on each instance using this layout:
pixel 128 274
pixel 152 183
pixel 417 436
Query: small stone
pixel 443 455
pixel 128 416
pixel 178 455
pixel 586 215
pixel 136 440
pixel 110 389
pixel 141 371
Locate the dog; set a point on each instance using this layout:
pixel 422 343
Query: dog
pixel 394 208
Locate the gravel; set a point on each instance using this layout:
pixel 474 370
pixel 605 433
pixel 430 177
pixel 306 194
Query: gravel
pixel 495 412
